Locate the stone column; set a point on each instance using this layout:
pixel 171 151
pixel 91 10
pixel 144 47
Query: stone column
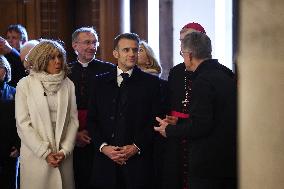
pixel 261 94
pixel 166 36
pixel 111 24
pixel 139 18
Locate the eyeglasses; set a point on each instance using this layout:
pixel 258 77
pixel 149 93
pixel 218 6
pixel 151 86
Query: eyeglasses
pixel 182 53
pixel 88 43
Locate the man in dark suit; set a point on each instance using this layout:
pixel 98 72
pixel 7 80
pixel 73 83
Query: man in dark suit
pixel 211 127
pixel 85 43
pixel 121 115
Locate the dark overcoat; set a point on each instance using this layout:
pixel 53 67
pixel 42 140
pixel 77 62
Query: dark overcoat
pixel 81 77
pixel 126 120
pixel 211 127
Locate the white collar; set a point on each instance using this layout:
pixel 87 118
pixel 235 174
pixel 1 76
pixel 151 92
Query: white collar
pixel 86 63
pixel 119 71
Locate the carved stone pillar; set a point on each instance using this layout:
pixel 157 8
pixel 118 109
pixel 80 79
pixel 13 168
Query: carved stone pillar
pixel 166 36
pixel 111 23
pixel 139 18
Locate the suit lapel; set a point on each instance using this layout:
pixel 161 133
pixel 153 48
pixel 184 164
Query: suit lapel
pixel 62 96
pixel 133 82
pixel 41 105
pixel 130 88
pixel 123 92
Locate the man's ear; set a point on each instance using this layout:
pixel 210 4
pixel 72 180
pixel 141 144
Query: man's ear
pixel 74 45
pixel 190 56
pixel 115 53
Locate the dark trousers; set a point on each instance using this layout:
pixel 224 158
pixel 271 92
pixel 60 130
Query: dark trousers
pixel 8 173
pixel 168 164
pixel 123 181
pixel 198 183
pixel 83 163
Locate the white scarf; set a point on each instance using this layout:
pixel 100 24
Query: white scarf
pixel 51 82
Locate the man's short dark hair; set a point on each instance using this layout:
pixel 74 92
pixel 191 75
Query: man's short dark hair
pixel 199 44
pixel 18 28
pixel 131 36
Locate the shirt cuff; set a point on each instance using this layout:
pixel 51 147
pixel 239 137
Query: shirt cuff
pixel 137 148
pixel 103 144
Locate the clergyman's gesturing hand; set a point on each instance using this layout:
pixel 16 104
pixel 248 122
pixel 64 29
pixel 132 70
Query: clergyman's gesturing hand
pixel 162 126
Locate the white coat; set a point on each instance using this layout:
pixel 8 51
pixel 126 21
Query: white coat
pixel 37 136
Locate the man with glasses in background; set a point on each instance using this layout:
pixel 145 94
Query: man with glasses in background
pixel 85 44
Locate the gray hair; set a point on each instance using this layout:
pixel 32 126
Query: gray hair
pixel 83 30
pixel 40 55
pixel 5 64
pixel 199 44
pixel 26 48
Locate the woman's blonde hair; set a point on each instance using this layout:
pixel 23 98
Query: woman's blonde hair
pixel 154 63
pixel 41 54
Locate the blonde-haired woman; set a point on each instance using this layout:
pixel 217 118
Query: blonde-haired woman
pixel 147 60
pixel 47 123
